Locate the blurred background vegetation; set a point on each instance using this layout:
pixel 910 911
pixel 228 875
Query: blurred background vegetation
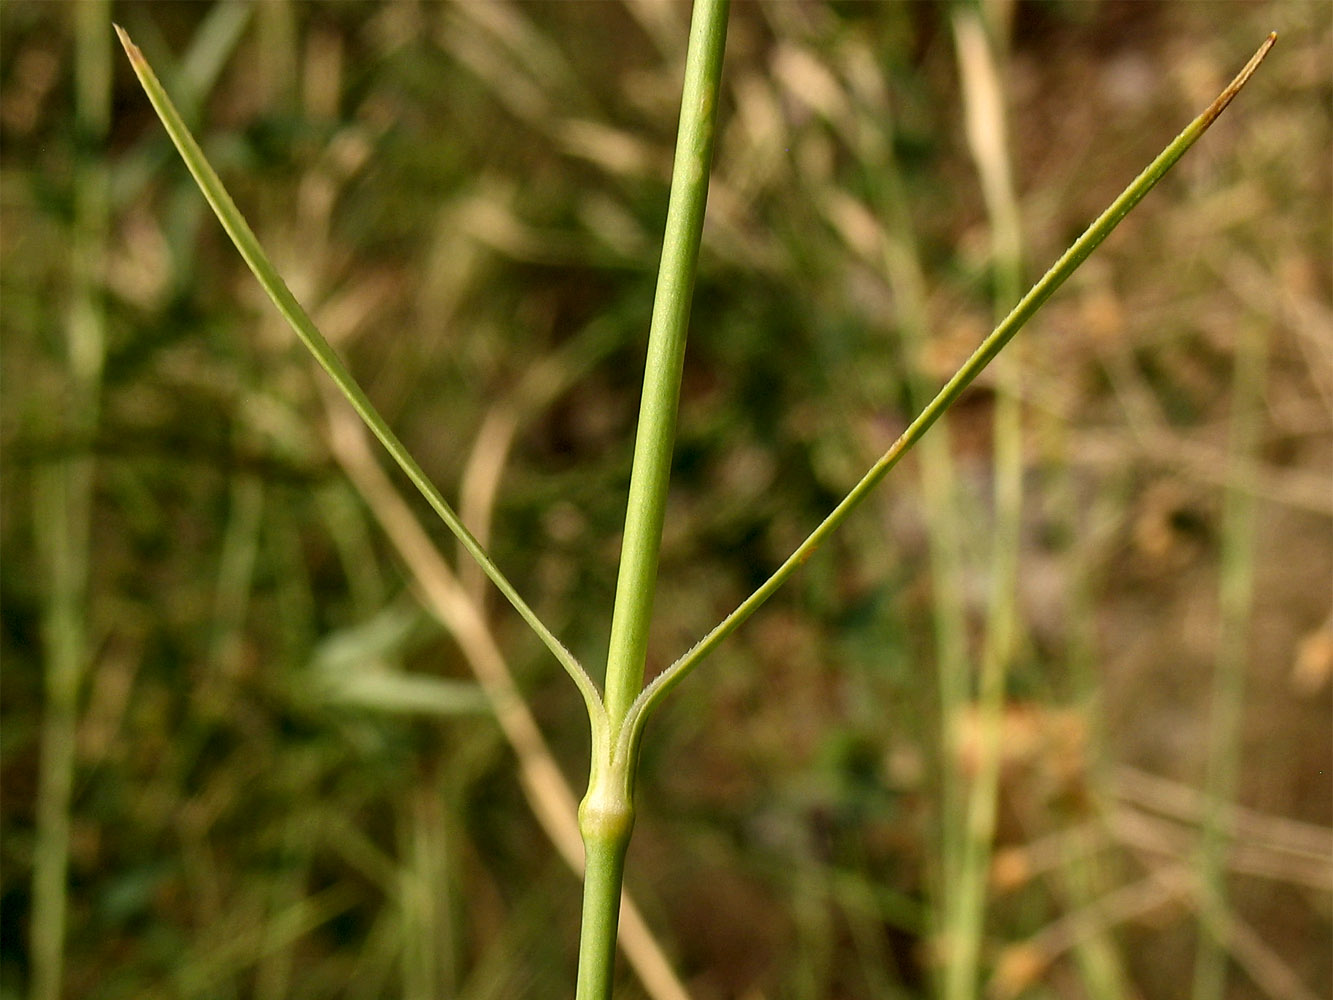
pixel 228 748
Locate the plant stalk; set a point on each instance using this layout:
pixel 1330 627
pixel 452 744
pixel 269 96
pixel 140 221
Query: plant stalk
pixel 606 815
pixel 603 877
pixel 1236 610
pixel 646 508
pixel 978 44
pixel 63 496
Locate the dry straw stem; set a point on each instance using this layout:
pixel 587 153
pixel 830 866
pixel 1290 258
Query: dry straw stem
pixel 1022 965
pixel 1161 817
pixel 480 480
pixel 1268 847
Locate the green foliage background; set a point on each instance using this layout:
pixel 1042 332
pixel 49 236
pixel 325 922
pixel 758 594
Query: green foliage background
pixel 469 198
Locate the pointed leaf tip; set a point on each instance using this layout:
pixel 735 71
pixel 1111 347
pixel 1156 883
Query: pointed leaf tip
pixel 131 49
pixel 1242 78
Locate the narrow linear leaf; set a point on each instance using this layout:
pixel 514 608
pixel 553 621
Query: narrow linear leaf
pixel 295 315
pixel 984 354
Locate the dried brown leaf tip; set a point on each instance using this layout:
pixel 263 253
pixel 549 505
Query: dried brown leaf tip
pixel 131 49
pixel 1233 88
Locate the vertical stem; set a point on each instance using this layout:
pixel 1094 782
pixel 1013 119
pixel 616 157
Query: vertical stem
pixel 666 354
pixel 988 141
pixel 902 263
pixel 1235 599
pixel 606 815
pixel 602 879
pixel 62 504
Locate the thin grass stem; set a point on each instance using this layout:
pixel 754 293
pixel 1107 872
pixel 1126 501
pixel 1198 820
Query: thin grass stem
pixel 1235 607
pixel 655 437
pixel 987 135
pixel 606 814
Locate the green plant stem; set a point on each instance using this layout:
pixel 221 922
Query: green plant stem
pixel 606 820
pixel 63 499
pixel 603 877
pixel 987 135
pixel 1235 609
pixel 655 437
pixel 262 268
pixel 984 354
pixel 606 815
pixel 905 274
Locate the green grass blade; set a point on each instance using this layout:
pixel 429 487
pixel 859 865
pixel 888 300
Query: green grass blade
pixel 1036 297
pixel 244 239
